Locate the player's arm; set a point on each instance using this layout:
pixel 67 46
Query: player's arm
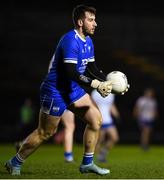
pixel 73 74
pixel 70 55
pixel 104 88
pixel 93 71
pixel 114 111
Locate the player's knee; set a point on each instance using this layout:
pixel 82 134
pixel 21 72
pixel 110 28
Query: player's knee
pixel 97 122
pixel 116 139
pixel 44 135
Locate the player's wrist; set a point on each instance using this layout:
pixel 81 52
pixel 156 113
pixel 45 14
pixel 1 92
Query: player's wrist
pixel 95 83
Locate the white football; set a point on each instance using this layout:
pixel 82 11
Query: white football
pixel 119 81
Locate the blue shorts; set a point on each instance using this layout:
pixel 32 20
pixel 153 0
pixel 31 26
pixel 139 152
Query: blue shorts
pixel 146 124
pixel 54 103
pixel 106 126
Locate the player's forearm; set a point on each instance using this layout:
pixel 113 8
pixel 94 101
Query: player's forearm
pixel 72 73
pixel 104 88
pixel 94 72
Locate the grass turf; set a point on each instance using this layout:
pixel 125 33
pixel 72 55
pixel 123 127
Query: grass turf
pixel 124 161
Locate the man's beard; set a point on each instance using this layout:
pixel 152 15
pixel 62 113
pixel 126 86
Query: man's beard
pixel 85 32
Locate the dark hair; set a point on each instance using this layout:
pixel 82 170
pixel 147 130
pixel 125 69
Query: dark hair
pixel 79 12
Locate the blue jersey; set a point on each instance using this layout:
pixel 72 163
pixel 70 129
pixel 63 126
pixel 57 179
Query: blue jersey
pixel 72 48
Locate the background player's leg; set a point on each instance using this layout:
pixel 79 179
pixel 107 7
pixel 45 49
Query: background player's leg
pixel 100 145
pixel 69 127
pixel 145 137
pixel 100 142
pixel 112 138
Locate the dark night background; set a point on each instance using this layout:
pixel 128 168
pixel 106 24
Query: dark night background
pixel 129 38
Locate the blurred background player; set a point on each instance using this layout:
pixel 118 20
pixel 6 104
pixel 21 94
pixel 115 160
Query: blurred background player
pixel 26 122
pixel 145 112
pixel 68 119
pixel 108 133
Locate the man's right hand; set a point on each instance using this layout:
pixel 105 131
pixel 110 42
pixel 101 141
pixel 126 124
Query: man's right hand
pixel 104 88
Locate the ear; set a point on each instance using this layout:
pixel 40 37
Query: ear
pixel 80 22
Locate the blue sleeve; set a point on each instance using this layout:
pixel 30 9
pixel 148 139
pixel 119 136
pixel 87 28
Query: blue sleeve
pixel 70 50
pixel 92 56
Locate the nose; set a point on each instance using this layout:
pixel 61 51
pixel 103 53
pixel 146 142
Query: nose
pixel 95 24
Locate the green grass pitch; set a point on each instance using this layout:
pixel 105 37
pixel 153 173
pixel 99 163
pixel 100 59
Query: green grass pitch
pixel 124 161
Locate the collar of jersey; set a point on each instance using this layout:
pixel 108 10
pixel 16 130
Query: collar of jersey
pixel 84 40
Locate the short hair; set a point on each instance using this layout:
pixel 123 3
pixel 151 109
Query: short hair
pixel 79 12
